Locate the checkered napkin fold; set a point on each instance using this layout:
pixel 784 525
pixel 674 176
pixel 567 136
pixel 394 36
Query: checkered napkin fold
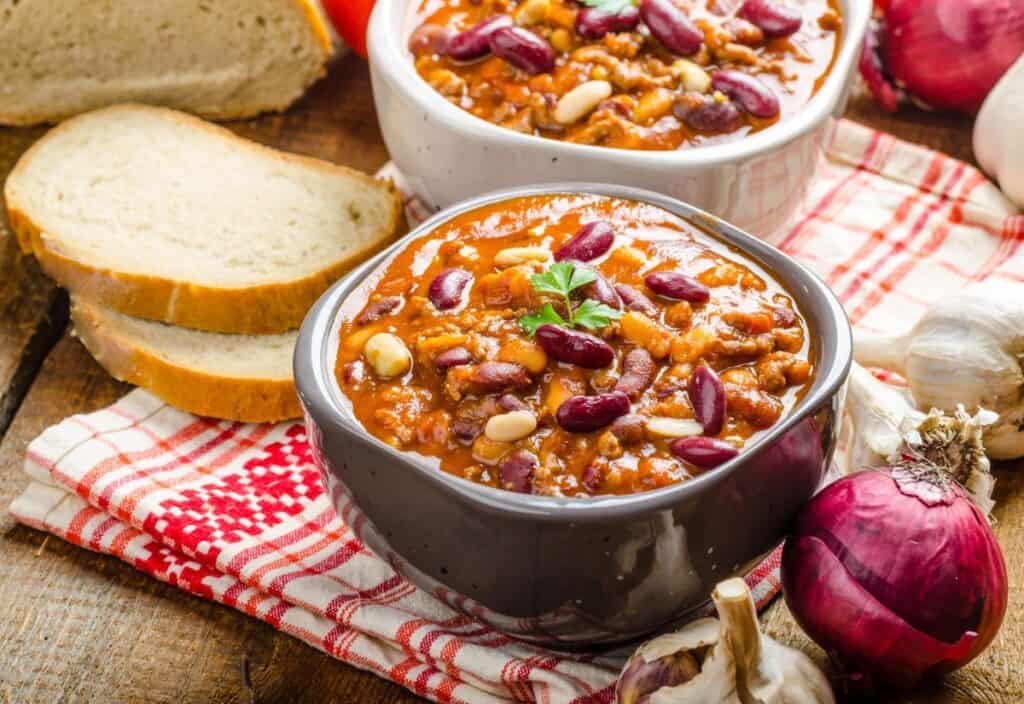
pixel 236 513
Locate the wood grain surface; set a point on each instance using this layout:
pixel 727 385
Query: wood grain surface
pixel 80 627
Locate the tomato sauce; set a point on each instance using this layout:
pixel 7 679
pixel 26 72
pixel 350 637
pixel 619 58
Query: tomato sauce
pixel 468 371
pixel 637 93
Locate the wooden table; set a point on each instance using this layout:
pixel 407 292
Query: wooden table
pixel 77 626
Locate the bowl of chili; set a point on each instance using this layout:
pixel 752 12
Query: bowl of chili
pixel 462 397
pixel 734 126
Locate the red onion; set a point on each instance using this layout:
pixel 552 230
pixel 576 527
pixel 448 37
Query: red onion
pixel 896 573
pixel 945 53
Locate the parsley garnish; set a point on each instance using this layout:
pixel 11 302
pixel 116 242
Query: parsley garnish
pixel 546 315
pixel 609 7
pixel 561 280
pixel 593 315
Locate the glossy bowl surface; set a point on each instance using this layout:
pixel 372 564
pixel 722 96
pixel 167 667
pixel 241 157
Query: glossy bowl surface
pixel 575 573
pixel 448 155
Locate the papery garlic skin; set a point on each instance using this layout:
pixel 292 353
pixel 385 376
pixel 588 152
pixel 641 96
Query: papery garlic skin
pixel 740 665
pixel 967 350
pixel 885 428
pixel 999 133
pixel 956 443
pixel 876 413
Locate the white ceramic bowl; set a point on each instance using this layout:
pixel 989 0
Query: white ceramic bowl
pixel 448 155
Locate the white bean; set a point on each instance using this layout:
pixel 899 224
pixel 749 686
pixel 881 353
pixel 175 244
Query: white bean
pixel 511 426
pixel 514 256
pixel 673 427
pixel 387 354
pixel 691 76
pixel 581 100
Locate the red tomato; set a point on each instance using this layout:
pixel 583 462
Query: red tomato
pixel 350 18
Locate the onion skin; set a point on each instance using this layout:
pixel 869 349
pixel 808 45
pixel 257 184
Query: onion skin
pixel 898 580
pixel 950 53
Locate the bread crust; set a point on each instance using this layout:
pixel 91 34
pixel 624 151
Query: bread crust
pixel 248 400
pixel 240 112
pixel 251 310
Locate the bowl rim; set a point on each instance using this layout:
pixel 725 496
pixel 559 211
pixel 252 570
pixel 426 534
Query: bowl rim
pixel 320 394
pixel 389 58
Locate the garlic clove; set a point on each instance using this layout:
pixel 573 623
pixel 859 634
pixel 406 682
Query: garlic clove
pixel 967 349
pixel 766 672
pixel 884 427
pixel 999 133
pixel 876 412
pixel 726 660
pixel 697 634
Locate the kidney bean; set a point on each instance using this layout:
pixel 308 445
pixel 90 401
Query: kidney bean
pixel 523 49
pixel 592 477
pixel 704 452
pixel 772 19
pixel 454 357
pixel 635 300
pixel 602 291
pixel 492 377
pixel 508 402
pixel 592 23
pixel 574 347
pixel 590 242
pixel 476 41
pixel 638 370
pixel 629 429
pixel 583 414
pixel 755 97
pixel 710 116
pixel 378 309
pixel 446 289
pixel 516 471
pixel 707 396
pixel 671 26
pixel 677 286
pixel 432 38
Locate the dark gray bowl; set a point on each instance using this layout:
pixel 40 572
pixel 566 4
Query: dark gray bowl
pixel 575 573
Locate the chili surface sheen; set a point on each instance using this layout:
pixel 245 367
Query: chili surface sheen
pixel 637 93
pixel 467 386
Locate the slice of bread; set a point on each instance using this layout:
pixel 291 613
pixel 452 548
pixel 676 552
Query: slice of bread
pixel 234 377
pixel 222 59
pixel 159 215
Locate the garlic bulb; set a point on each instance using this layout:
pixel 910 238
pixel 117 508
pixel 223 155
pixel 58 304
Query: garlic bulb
pixel 885 428
pixel 725 660
pixel 999 133
pixel 967 350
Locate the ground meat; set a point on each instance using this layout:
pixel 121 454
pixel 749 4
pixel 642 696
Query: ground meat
pixel 510 287
pixel 750 322
pixel 758 408
pixel 629 429
pixel 779 370
pixel 744 32
pixel 447 83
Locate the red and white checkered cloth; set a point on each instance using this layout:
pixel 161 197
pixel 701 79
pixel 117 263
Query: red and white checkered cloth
pixel 236 512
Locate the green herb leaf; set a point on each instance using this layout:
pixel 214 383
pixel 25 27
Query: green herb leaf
pixel 547 315
pixel 561 279
pixel 609 7
pixel 581 276
pixel 593 315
